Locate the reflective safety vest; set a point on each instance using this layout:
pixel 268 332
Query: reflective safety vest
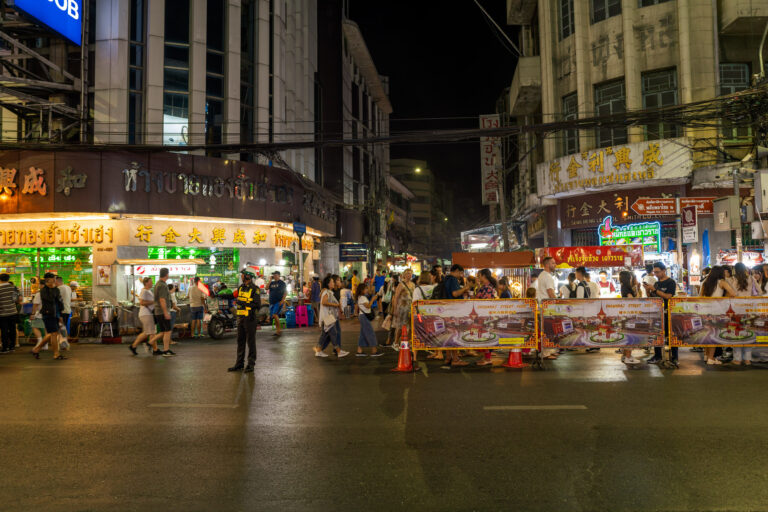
pixel 245 298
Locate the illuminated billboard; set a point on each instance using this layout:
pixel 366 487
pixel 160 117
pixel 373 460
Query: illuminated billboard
pixel 62 16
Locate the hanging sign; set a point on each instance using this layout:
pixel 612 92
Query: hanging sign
pixel 689 224
pixel 490 161
pixel 647 234
pixel 595 256
pixel 62 16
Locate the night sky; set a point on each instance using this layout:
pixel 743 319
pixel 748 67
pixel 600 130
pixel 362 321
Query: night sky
pixel 443 60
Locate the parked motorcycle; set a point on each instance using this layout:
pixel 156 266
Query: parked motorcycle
pixel 224 319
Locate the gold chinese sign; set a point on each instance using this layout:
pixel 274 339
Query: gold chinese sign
pixel 186 234
pixel 57 235
pixel 638 164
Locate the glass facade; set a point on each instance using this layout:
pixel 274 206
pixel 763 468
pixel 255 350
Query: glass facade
pixel 176 73
pixel 660 90
pixel 570 113
pixel 567 21
pixel 214 75
pixel 221 264
pixel 610 98
pixel 136 67
pixel 247 74
pixel 604 9
pixel 71 263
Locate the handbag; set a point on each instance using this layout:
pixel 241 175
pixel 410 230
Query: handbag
pixel 386 324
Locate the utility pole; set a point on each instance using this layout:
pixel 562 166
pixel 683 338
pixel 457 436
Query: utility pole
pixel 736 179
pixel 503 208
pixel 679 236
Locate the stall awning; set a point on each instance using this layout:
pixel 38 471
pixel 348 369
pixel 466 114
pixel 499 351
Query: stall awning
pixel 188 261
pixel 515 259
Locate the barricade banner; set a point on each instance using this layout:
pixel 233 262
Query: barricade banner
pixel 475 324
pixel 574 323
pixel 726 321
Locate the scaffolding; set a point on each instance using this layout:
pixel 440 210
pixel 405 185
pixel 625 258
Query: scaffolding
pixel 43 97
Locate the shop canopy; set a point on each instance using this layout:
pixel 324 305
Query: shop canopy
pixel 188 261
pixel 515 259
pixel 594 256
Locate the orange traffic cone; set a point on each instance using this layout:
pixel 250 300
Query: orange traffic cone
pixel 404 362
pixel 515 359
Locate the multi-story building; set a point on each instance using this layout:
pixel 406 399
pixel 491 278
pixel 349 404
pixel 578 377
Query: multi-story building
pixel 584 59
pixel 353 103
pixel 178 73
pixel 400 227
pixel 418 177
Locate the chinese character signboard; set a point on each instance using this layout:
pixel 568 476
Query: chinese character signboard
pixel 632 165
pixel 490 161
pixel 725 321
pixel 647 234
pixel 598 256
pixel 576 323
pixel 475 324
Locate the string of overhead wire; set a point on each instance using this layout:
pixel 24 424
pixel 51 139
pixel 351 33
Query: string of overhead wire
pixel 740 109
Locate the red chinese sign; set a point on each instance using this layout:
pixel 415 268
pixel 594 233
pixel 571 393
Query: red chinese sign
pixel 595 256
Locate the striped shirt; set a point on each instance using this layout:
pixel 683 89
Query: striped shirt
pixel 7 305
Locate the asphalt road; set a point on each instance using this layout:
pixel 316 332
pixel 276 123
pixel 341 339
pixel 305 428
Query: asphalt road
pixel 108 431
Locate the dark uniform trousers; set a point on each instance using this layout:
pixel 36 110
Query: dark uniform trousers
pixel 246 334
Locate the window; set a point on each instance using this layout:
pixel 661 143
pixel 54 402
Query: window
pixel 734 78
pixel 609 100
pixel 247 74
pixel 660 90
pixel 566 18
pixel 604 9
pixel 136 66
pixel 570 112
pixel 646 3
pixel 176 73
pixel 214 74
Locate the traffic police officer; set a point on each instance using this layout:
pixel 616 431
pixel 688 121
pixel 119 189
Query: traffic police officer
pixel 248 303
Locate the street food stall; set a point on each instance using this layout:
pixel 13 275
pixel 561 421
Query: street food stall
pixel 516 266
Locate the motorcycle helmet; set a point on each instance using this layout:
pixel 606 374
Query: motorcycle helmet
pixel 248 272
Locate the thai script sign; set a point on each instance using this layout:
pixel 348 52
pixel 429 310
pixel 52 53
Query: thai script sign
pixel 594 256
pixel 56 234
pixel 647 234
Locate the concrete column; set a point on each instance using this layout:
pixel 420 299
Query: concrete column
pixel 632 78
pixel 548 30
pixel 198 34
pixel 232 76
pixel 684 46
pixel 278 70
pixel 262 71
pixel 110 100
pixel 154 71
pixel 583 79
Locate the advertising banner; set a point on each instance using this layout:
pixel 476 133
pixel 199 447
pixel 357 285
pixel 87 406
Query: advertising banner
pixel 689 224
pixel 594 256
pixel 475 324
pixel 636 165
pixel 574 323
pixel 726 321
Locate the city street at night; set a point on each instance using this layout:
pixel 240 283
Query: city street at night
pixel 105 430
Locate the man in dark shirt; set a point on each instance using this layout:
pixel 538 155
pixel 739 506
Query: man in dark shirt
pixel 315 296
pixel 665 288
pixel 9 297
pixel 162 311
pixel 453 288
pixel 277 295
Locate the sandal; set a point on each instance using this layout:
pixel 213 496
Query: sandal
pixel 60 358
pixel 550 357
pixel 459 363
pixel 36 355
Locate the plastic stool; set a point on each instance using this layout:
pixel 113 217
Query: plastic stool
pixel 282 324
pixel 302 319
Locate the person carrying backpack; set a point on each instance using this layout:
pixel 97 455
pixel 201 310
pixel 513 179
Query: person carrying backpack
pixel 568 290
pixel 581 290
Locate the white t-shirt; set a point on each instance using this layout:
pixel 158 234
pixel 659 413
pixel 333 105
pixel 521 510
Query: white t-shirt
pixel 66 298
pixel 594 290
pixel 36 300
pixel 649 280
pixel 147 295
pixel 544 282
pixel 362 302
pixel 325 311
pixel 427 291
pixel 565 291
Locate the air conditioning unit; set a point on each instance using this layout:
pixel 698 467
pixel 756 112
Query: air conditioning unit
pixel 759 229
pixel 727 213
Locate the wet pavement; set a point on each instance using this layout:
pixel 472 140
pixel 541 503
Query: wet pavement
pixel 109 431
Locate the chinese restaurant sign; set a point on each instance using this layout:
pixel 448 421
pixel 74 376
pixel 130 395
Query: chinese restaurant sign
pixel 647 234
pixel 475 324
pixel 575 323
pixel 725 321
pixel 639 164
pixel 490 161
pixel 611 256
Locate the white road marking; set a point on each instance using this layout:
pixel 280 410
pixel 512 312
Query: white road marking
pixel 194 406
pixel 534 407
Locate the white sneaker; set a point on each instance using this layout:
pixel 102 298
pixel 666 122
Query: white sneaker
pixel 714 361
pixel 320 354
pixel 342 353
pixel 631 360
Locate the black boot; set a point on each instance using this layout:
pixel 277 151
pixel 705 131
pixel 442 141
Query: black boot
pixel 235 368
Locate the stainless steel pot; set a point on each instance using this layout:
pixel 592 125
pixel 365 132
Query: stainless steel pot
pixel 86 314
pixel 105 313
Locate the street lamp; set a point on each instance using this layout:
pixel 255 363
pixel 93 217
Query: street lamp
pixel 417 170
pixel 445 219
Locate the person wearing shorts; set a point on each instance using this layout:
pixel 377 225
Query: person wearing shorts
pixel 51 308
pixel 277 294
pixel 197 308
pixel 162 311
pixel 147 319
